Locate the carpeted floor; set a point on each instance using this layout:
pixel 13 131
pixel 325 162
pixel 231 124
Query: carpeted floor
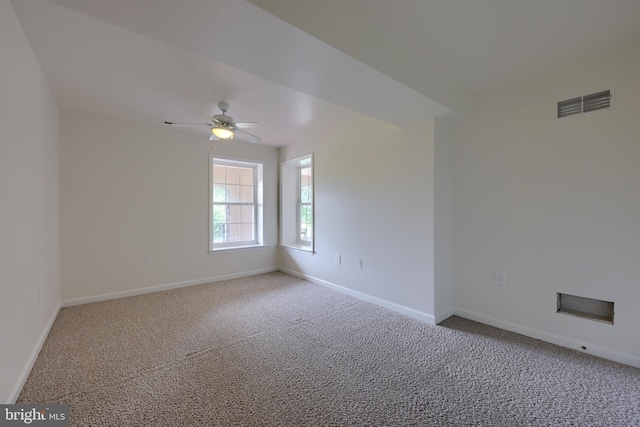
pixel 274 350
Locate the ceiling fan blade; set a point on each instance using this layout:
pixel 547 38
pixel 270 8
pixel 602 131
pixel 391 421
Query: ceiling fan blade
pixel 166 122
pixel 248 137
pixel 248 125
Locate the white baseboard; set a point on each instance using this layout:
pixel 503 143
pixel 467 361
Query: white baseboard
pixel 17 388
pixel 605 353
pixel 407 311
pixel 571 343
pixel 165 287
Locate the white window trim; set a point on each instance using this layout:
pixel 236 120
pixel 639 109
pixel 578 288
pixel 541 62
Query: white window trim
pixel 289 221
pixel 258 242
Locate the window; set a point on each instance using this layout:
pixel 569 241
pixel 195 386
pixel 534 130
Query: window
pixel 296 204
pixel 236 204
pixel 304 223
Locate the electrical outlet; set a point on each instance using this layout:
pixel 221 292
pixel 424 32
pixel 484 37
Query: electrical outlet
pixel 148 260
pixel 359 264
pixel 500 278
pixel 337 259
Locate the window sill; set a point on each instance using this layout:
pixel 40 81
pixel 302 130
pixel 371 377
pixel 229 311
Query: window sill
pixel 299 248
pixel 236 249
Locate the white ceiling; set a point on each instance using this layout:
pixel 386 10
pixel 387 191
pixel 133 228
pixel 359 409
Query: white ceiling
pixel 331 61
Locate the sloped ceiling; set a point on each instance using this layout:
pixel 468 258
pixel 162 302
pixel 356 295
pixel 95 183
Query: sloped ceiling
pixel 472 44
pixel 295 65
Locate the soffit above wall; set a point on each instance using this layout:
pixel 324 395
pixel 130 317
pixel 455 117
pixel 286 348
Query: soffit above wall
pixel 157 60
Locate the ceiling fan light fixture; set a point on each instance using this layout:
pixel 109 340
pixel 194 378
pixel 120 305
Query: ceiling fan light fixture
pixel 222 132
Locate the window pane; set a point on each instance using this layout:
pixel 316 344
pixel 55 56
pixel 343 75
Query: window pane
pixel 246 176
pixel 235 214
pixel 219 174
pixel 233 193
pixel 234 233
pixel 219 193
pixel 233 175
pixel 305 217
pixel 305 213
pixel 246 194
pixel 305 184
pixel 219 214
pixel 305 194
pixel 219 233
pixel 305 176
pixel 247 213
pixel 303 233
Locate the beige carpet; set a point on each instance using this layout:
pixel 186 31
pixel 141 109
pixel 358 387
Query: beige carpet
pixel 274 350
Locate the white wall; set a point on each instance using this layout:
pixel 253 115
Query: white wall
pixel 374 200
pixel 131 191
pixel 29 207
pixel 555 204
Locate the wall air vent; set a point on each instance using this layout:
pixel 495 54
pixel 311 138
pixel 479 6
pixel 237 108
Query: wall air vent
pixel 585 307
pixel 596 101
pixel 569 107
pixel 584 104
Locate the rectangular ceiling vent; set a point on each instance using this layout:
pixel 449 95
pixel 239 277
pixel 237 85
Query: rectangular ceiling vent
pixel 584 104
pixel 585 307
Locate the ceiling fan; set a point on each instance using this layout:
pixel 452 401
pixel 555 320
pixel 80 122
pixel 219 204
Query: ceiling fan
pixel 224 127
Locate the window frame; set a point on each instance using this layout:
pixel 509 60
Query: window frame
pixel 290 193
pixel 258 208
pixel 300 204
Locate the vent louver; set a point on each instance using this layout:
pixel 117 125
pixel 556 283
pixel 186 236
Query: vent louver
pixel 584 104
pixel 586 307
pixel 569 107
pixel 596 101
